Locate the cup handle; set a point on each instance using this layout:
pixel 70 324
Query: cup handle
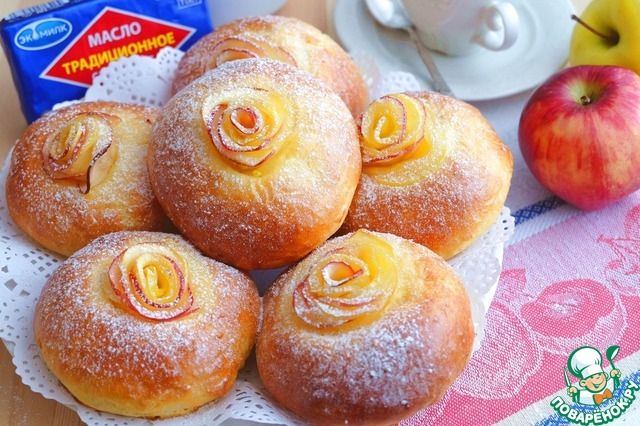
pixel 499 16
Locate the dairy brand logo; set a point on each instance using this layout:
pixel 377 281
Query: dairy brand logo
pixel 112 34
pixel 43 34
pixel 597 398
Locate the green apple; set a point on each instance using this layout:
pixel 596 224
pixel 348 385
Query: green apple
pixel 608 33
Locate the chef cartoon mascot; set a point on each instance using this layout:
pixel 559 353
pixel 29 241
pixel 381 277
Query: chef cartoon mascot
pixel 596 385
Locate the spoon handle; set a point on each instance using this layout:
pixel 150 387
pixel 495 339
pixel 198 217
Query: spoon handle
pixel 439 83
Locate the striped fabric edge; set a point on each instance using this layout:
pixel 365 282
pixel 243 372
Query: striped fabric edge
pixel 538 216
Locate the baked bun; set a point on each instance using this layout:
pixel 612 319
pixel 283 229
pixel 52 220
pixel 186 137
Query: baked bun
pixel 434 171
pixel 256 163
pixel 368 329
pixel 81 172
pixel 140 324
pixel 276 37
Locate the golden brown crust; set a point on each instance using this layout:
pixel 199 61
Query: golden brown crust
pixel 114 360
pixel 273 213
pixel 287 39
pixel 381 366
pixel 457 199
pixel 55 212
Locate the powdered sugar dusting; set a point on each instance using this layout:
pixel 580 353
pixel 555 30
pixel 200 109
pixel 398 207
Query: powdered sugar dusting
pixel 55 212
pixel 397 363
pixel 303 191
pixel 101 347
pixel 460 193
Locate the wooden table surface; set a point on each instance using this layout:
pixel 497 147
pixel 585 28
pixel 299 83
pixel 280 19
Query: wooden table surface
pixel 18 404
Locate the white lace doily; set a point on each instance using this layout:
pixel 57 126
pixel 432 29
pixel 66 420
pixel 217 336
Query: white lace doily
pixel 26 266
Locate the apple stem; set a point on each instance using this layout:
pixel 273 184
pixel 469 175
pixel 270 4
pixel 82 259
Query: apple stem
pixel 586 100
pixel 613 39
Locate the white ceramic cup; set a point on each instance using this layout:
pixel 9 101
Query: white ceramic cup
pixel 223 11
pixel 458 27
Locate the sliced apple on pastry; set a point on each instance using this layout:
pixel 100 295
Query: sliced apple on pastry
pixel 151 280
pixel 83 150
pixel 348 284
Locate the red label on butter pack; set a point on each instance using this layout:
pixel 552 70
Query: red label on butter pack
pixel 55 49
pixel 112 34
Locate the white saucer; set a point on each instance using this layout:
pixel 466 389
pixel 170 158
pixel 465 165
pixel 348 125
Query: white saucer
pixel 542 49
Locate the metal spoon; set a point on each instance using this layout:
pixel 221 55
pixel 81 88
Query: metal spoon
pixel 391 14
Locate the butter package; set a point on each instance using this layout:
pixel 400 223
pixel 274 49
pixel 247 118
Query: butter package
pixel 55 49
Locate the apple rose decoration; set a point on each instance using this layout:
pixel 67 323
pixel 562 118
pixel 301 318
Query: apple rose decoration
pixel 394 133
pixel 434 171
pixel 368 329
pixel 349 283
pixel 235 48
pixel 128 347
pixel 82 151
pixel 248 126
pixel 151 280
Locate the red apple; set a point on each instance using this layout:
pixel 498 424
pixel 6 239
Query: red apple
pixel 580 134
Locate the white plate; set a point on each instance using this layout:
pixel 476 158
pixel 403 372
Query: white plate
pixel 542 48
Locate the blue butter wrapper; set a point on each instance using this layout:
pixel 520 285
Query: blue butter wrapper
pixel 55 49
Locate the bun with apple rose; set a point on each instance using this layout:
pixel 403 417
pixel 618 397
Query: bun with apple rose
pixel 81 172
pixel 141 324
pixel 434 171
pixel 284 39
pixel 256 163
pixel 368 329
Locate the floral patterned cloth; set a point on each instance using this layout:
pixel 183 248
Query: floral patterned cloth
pixel 571 279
